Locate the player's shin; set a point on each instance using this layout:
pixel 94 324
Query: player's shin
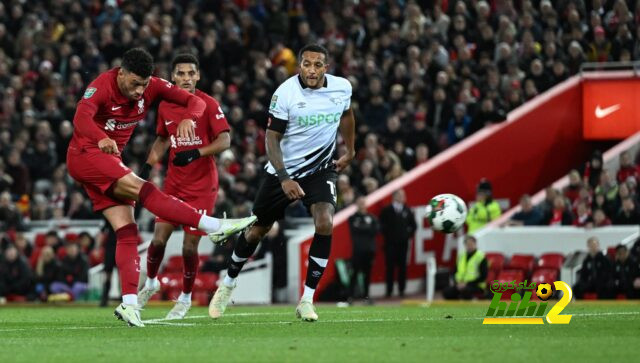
pixel 128 262
pixel 318 259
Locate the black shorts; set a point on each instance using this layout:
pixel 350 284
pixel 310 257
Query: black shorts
pixel 271 201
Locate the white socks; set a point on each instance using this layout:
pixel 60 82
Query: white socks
pixel 229 281
pixel 208 224
pixel 185 298
pixel 130 299
pixel 152 283
pixel 308 294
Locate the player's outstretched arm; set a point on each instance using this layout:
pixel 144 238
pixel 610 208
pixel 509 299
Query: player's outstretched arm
pixel 159 148
pixel 348 132
pixel 290 187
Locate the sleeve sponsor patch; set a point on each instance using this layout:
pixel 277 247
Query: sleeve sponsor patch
pixel 89 92
pixel 274 102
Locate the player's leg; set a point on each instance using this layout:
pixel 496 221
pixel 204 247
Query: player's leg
pixel 246 245
pixel 268 206
pixel 322 213
pixel 127 260
pixel 190 269
pixel 161 233
pixel 172 209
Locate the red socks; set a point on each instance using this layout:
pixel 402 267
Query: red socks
pixel 190 263
pixel 167 207
pixel 127 258
pixel 154 259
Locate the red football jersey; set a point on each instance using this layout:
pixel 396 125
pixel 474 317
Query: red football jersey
pixel 105 112
pixel 199 177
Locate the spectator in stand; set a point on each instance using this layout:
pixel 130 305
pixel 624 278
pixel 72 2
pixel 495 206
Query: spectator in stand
pixel 600 219
pixel 25 248
pixel 484 210
pixel 398 224
pixel 10 217
pixel 627 168
pixel 628 213
pixel 471 272
pixel 583 215
pixel 626 276
pixel 528 215
pixel 364 228
pixel 15 274
pixel 459 125
pixel 572 191
pixel 607 186
pixel 560 215
pixel 46 272
pixel 600 48
pixel 595 274
pixel 74 272
pixel 593 169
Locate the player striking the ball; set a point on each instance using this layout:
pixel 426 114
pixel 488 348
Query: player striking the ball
pixel 105 118
pixel 305 114
pixel 192 177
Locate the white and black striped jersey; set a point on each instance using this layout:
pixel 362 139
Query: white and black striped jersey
pixel 309 120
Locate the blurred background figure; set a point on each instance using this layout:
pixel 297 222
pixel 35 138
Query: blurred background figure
pixel 471 273
pixel 364 228
pixel 484 209
pixel 529 215
pixel 74 270
pixel 398 225
pixel 595 274
pixel 15 274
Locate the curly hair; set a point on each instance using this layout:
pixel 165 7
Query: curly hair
pixel 184 58
pixel 138 61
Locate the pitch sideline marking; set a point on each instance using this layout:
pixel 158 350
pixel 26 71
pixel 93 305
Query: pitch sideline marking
pixel 289 322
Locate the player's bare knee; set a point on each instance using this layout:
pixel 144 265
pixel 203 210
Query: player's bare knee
pixel 158 242
pixel 256 233
pixel 324 224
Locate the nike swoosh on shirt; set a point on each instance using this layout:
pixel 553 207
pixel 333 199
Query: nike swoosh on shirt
pixel 113 108
pixel 167 123
pixel 604 112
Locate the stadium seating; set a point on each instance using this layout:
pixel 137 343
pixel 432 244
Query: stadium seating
pixel 174 265
pixel 520 262
pixel 550 260
pixel 544 275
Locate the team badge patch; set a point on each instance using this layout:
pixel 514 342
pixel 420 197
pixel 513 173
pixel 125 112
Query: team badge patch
pixel 89 92
pixel 274 101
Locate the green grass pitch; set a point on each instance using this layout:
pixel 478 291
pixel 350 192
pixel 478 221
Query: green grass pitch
pixel 390 333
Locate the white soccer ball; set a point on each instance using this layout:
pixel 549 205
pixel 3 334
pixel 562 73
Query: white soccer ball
pixel 446 213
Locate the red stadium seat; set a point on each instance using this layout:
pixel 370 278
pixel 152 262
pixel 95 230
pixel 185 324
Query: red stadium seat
pixel 16 298
pixel 201 298
pixel 71 237
pixel 174 264
pixel 495 260
pixel 590 296
pixel 206 281
pixel 611 253
pixel 33 260
pixel 545 276
pixel 170 281
pixel 551 260
pixel 521 262
pixel 510 275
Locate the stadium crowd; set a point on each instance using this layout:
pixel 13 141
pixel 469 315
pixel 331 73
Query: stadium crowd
pixel 425 74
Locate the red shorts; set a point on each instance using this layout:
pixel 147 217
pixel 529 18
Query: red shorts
pixel 97 172
pixel 202 204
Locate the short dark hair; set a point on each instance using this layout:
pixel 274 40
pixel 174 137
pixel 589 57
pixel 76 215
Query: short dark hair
pixel 621 247
pixel 138 61
pixel 184 58
pixel 316 48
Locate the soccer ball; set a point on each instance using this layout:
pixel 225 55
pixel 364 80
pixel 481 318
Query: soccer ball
pixel 544 291
pixel 446 213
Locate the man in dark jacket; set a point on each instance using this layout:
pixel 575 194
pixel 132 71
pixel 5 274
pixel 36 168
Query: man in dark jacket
pixel 74 271
pixel 595 274
pixel 625 272
pixel 15 274
pixel 364 227
pixel 398 226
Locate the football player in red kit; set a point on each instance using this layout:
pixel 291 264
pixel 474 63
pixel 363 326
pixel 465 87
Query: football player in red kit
pixel 192 177
pixel 105 118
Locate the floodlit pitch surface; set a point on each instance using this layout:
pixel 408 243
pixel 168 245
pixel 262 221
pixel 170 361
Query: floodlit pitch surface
pixel 445 332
